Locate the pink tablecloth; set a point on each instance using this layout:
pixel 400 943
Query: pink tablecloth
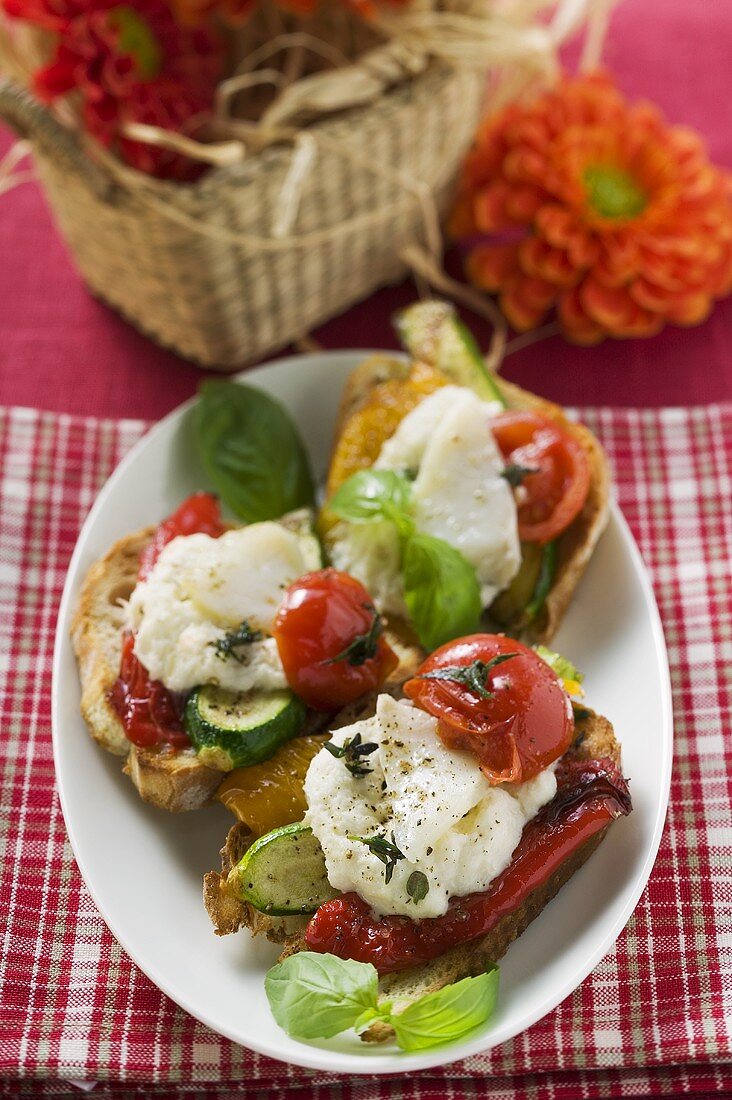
pixel 59 349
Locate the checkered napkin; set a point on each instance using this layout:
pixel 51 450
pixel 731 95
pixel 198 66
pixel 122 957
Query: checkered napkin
pixel 655 1018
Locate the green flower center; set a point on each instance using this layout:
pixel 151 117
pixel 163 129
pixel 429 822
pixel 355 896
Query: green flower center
pixel 613 193
pixel 136 40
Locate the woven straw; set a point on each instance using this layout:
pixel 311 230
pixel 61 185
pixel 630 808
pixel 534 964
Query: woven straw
pixel 207 269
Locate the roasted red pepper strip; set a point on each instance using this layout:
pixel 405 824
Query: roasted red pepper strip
pixel 590 795
pixel 199 514
pixel 147 710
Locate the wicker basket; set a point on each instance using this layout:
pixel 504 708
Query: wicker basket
pixel 212 269
pixel 222 301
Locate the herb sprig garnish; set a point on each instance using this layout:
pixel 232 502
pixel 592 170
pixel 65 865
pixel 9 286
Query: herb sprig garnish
pixel 351 752
pixel 240 636
pixel 418 886
pixel 473 676
pixel 364 646
pixel 383 849
pixel 514 473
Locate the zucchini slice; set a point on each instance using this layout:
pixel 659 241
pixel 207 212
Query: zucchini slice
pixel 283 873
pixel 235 729
pixel 433 333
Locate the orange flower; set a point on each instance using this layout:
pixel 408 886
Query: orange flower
pixel 584 203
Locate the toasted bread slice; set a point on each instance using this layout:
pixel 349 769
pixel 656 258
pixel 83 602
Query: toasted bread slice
pixel 594 739
pixel 173 781
pixel 576 544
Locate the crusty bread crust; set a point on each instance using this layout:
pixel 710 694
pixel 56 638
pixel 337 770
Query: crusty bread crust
pixel 594 739
pixel 96 631
pixel 173 781
pixel 576 545
pixel 228 913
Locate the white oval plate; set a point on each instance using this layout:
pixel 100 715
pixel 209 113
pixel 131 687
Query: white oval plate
pixel 144 867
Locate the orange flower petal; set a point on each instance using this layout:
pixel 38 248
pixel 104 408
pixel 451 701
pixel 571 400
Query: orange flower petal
pixel 691 310
pixel 655 298
pixel 610 307
pixel 489 208
pixel 536 293
pixel 522 203
pixel 518 312
pixel 641 322
pixel 461 220
pixel 660 270
pixel 490 266
pixel 524 165
pixel 538 258
pixel 575 323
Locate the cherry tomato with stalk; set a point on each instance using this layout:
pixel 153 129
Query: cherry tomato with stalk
pixel 553 469
pixel 330 640
pixel 499 700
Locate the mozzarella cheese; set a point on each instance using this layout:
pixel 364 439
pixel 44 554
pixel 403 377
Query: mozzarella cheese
pixel 202 587
pixel 432 802
pixel 458 495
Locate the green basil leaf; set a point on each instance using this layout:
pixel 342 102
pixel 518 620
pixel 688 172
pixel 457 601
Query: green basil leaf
pixel 251 451
pixel 441 590
pixel 447 1014
pixel 372 494
pixel 563 667
pixel 314 996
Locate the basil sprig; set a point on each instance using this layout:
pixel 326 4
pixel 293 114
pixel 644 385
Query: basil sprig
pixel 372 495
pixel 441 590
pixel 251 451
pixel 385 850
pixel 229 645
pixel 352 753
pixel 314 996
pixel 474 676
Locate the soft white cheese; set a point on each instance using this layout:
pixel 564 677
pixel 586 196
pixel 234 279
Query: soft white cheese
pixel 434 803
pixel 458 494
pixel 202 587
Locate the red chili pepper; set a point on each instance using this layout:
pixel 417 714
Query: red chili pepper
pixel 590 795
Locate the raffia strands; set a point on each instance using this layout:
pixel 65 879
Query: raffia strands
pixel 314 198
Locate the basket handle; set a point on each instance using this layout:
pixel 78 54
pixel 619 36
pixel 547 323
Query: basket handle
pixel 30 119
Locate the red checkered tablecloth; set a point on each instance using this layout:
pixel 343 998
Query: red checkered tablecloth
pixel 655 1018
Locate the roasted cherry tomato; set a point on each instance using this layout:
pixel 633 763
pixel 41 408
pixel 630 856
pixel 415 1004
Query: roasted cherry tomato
pixel 553 495
pixel 330 642
pixel 496 698
pixel 146 708
pixel 198 515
